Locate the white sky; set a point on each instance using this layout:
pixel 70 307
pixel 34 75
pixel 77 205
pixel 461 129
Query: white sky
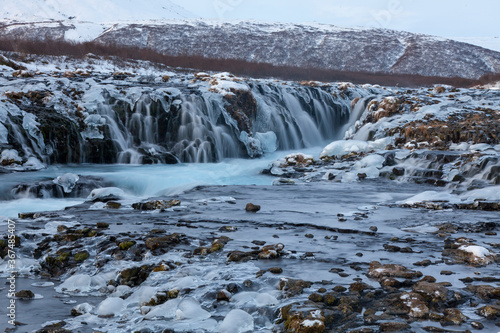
pixel 445 18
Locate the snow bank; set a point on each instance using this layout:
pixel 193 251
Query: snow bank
pixel 345 147
pixel 430 196
pixel 491 193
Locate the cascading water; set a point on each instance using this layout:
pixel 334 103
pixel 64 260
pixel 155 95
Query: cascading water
pixel 187 125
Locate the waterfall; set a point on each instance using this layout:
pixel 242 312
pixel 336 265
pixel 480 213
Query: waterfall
pixel 186 125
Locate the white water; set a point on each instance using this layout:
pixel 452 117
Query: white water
pixel 143 181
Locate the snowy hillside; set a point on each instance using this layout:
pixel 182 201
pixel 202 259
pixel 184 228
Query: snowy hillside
pixel 167 28
pixel 91 10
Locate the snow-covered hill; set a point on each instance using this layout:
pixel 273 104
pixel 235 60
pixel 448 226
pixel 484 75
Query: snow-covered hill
pixel 96 11
pixel 167 28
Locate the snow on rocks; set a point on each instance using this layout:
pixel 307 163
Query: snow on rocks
pixel 67 181
pixel 106 194
pixel 341 148
pixel 111 306
pixel 237 321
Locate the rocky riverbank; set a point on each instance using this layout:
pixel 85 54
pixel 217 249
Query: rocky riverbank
pixel 316 257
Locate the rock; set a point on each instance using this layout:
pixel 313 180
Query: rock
pixel 434 293
pixel 82 256
pixel 133 277
pixel 223 296
pixel 25 294
pixel 377 270
pixel 359 287
pixel 390 282
pixel 424 263
pixel 154 243
pixel 489 311
pixel 102 225
pixel 250 207
pixel 464 252
pixel 484 292
pixel 477 325
pixel 113 205
pixel 393 327
pixel 219 244
pixel 374 229
pixel 124 246
pixel 454 317
pixel 156 204
pixel 54 328
pixel 276 270
pixel 293 287
pixel 316 297
pixel 228 229
pixel 416 305
pixel 271 251
pixel 339 289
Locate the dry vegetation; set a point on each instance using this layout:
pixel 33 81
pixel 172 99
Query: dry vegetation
pixel 238 67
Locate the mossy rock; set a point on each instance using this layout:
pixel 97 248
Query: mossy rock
pixel 63 256
pixel 126 245
pixel 82 256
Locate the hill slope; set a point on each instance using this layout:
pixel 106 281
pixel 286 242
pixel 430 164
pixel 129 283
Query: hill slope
pixel 161 26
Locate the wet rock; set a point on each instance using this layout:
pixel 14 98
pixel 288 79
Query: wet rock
pixel 223 296
pixel 377 271
pixel 434 293
pixel 134 276
pixel 374 229
pixel 124 246
pixel 489 311
pixel 393 327
pixel 424 263
pixel 453 317
pixel 271 251
pixel 389 282
pixel 25 216
pixel 54 328
pixel 293 287
pixel 485 292
pixel 81 256
pixel 113 205
pixel 102 225
pixel 316 297
pixel 250 207
pixel 359 287
pixel 25 294
pixel 276 270
pixel 219 244
pixel 158 299
pixel 416 305
pixel 156 204
pixel 154 243
pixel 349 304
pixel 477 325
pixel 228 229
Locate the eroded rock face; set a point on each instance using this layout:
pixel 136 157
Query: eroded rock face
pixel 242 107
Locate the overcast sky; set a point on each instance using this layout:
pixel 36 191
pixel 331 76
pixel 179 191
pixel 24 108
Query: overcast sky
pixel 446 18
